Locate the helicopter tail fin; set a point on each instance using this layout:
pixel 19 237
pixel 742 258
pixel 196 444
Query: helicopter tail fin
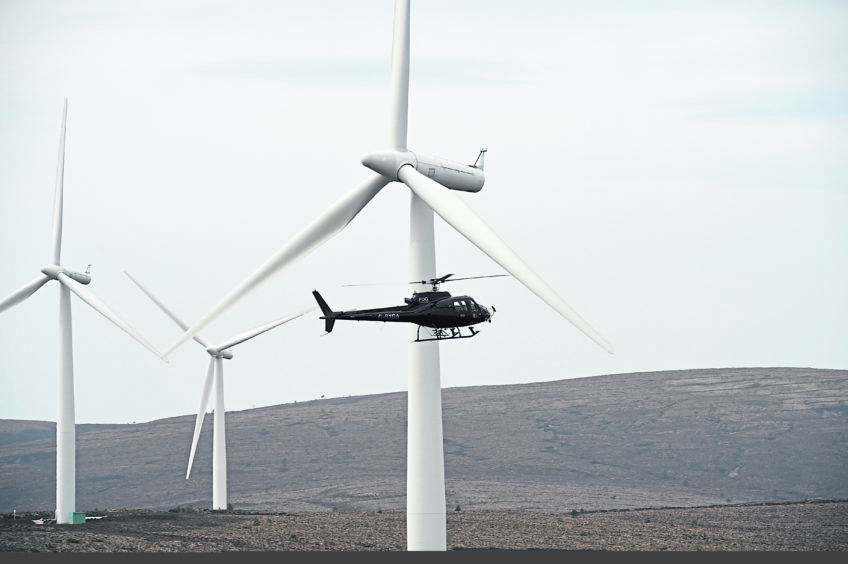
pixel 328 318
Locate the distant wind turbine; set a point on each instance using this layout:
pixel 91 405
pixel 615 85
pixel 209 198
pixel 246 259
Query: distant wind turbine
pixel 430 181
pixel 69 281
pixel 215 371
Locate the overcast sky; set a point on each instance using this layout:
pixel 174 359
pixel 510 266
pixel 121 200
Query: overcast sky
pixel 677 171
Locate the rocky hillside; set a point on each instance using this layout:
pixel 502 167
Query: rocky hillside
pixel 657 439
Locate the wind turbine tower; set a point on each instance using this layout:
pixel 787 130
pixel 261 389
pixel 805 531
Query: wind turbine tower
pixel 76 282
pixel 215 378
pixel 431 181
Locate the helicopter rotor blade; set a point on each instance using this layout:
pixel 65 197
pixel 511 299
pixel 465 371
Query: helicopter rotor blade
pixel 430 281
pixel 473 277
pixel 334 219
pixel 371 284
pixel 441 280
pixel 438 280
pixel 462 218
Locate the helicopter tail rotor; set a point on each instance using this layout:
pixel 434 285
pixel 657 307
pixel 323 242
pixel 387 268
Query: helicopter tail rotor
pixel 329 315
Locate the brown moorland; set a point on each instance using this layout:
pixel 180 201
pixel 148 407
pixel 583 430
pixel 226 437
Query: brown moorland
pixel 725 459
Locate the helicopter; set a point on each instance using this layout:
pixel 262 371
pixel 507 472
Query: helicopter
pixel 442 315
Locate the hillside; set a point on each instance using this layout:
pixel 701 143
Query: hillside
pixel 658 439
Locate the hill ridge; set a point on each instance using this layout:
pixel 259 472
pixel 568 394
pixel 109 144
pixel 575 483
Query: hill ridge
pixel 641 439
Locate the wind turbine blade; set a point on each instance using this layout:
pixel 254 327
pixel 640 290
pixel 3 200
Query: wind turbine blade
pixel 400 76
pixel 85 295
pixel 204 401
pixel 23 293
pixel 59 197
pixel 183 325
pixel 459 216
pixel 259 330
pixel 334 219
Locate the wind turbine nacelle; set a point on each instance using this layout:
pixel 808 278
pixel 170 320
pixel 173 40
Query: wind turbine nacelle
pixel 450 174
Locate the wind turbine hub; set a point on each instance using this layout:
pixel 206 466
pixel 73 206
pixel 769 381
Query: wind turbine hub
pixel 219 354
pixel 388 163
pixel 54 270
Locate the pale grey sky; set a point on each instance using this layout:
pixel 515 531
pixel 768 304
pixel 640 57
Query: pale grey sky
pixel 675 170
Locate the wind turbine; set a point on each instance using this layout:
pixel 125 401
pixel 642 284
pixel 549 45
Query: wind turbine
pixel 69 281
pixel 215 372
pixel 430 180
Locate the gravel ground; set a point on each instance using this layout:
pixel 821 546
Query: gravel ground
pixel 801 526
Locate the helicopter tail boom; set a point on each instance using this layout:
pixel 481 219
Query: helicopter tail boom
pixel 329 315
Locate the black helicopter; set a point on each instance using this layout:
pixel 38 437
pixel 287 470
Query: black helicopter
pixel 442 314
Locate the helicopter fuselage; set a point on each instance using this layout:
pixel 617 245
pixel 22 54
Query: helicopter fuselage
pixel 428 309
pixel 438 310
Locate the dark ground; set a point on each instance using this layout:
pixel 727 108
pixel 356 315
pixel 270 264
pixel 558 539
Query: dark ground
pixel 820 526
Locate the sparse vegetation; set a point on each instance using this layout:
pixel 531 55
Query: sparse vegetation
pixel 187 509
pixel 799 526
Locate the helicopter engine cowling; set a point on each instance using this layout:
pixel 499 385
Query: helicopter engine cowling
pixel 450 174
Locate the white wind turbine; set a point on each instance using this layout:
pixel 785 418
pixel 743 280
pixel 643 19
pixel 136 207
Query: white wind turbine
pixel 430 180
pixel 215 372
pixel 69 281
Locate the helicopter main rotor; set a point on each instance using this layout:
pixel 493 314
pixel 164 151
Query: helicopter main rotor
pixel 436 281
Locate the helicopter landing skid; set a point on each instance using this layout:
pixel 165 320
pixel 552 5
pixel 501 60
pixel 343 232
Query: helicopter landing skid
pixel 446 334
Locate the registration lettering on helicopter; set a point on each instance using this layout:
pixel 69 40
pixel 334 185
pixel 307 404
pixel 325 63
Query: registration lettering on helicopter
pixel 385 316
